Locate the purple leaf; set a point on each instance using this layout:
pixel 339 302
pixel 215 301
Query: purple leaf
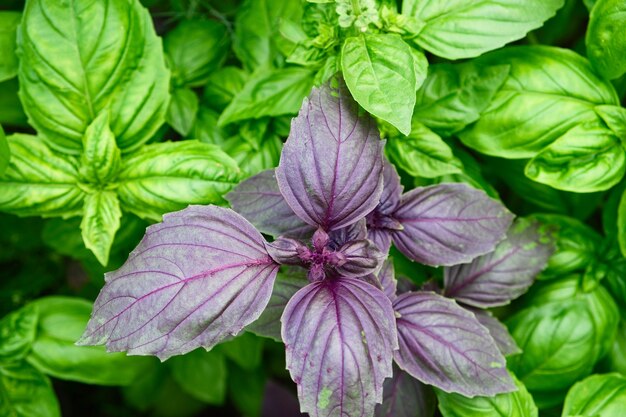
pixel 380 221
pixel 381 238
pixel 287 251
pixel 198 277
pixel 259 200
pixel 387 278
pixel 506 273
pixel 498 332
pixel 356 231
pixel 339 335
pixel 444 345
pixel 288 281
pixel 362 258
pixel 330 170
pixel 405 396
pixel 448 224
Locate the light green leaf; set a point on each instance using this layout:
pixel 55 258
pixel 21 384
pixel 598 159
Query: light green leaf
pixel 615 119
pixel 100 161
pixel 169 176
pixel 453 96
pixel 181 114
pixel 621 224
pixel 257 30
pixel 589 4
pixel 5 152
pixel 597 395
pixel 62 322
pixel 38 181
pixel 423 153
pixel 245 350
pixel 223 85
pixel 587 158
pixel 512 404
pixel 534 107
pixel 26 392
pixel 101 220
pixel 17 332
pixel 375 69
pixel 253 159
pixel 605 40
pixel 471 173
pixel 196 48
pixel 269 93
pixel 201 374
pixel 8 32
pixel 81 57
pixel 467 28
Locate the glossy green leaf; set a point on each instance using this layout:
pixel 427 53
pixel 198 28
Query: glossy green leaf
pixel 181 114
pixel 62 321
pixel 26 392
pixel 38 181
pixel 100 161
pixel 534 107
pixel 169 176
pixel 453 96
pixel 79 58
pixel 205 127
pixel 605 40
pixel 17 332
pixel 615 119
pixel 464 29
pixel 245 350
pixel 269 93
pixel 201 374
pixel 615 360
pixel 621 224
pixel 513 404
pixel 5 152
pixel 423 153
pixel 375 70
pixel 101 220
pixel 587 158
pixel 598 395
pixel 223 85
pixel 256 30
pixel 8 32
pixel 196 48
pixel 253 159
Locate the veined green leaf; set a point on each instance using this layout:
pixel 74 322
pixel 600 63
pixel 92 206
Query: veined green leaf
pixel 621 224
pixel 201 374
pixel 269 93
pixel 8 32
pixel 253 159
pixel 168 176
pixel 100 161
pixel 81 57
pixel 587 158
pixel 605 40
pixel 205 127
pixel 597 395
pixel 534 107
pixel 5 152
pixel 615 119
pixel 26 392
pixel 375 69
pixel 38 181
pixel 17 333
pixel 467 28
pixel 181 114
pixel 101 219
pixel 223 86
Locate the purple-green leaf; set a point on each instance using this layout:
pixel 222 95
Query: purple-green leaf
pixel 405 396
pixel 200 276
pixel 448 224
pixel 330 170
pixel 498 332
pixel 339 335
pixel 444 345
pixel 387 278
pixel 506 273
pixel 380 221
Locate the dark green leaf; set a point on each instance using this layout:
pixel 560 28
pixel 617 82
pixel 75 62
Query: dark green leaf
pixel 26 392
pixel 181 114
pixel 606 47
pixel 201 374
pixel 17 333
pixel 245 350
pixel 223 85
pixel 621 224
pixel 8 31
pixel 11 111
pixel 5 153
pixel 246 390
pixel 205 127
pixel 253 159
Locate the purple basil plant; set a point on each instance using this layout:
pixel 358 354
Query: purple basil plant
pixel 334 206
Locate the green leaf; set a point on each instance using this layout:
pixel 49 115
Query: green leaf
pixel 471 173
pixel 81 57
pixel 11 111
pixel 615 119
pixel 26 392
pixel 533 107
pixel 205 127
pixel 100 161
pixel 375 69
pixel 257 30
pixel 38 181
pixel 464 29
pixel 269 93
pixel 223 85
pixel 196 48
pixel 605 39
pixel 621 224
pixel 512 404
pixel 169 176
pixel 8 32
pixel 598 395
pixel 245 350
pixel 246 389
pixel 5 152
pixel 587 158
pixel 62 321
pixel 453 96
pixel 17 332
pixel 423 153
pixel 101 220
pixel 201 374
pixel 181 114
pixel 253 159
